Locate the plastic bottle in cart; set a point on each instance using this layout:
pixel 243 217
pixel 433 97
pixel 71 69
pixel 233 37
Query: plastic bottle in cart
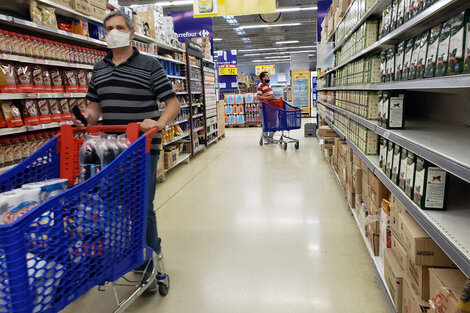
pixel 123 143
pixel 107 150
pixel 90 163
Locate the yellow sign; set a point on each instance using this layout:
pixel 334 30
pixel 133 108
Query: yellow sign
pixel 271 69
pixel 233 7
pixel 228 70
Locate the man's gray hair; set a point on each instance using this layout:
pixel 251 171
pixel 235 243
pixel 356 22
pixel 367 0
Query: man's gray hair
pixel 126 17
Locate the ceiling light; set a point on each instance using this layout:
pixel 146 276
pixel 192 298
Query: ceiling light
pixel 269 25
pixel 295 9
pixel 278 57
pixel 270 49
pixel 286 42
pixel 231 20
pixel 246 39
pixel 217 39
pixel 174 3
pixel 240 31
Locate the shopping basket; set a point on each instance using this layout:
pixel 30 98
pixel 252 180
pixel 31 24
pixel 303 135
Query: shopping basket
pixel 88 235
pixel 278 115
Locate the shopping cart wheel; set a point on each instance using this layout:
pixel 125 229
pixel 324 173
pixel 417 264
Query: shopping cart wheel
pixel 296 146
pixel 164 286
pixel 261 141
pixel 284 146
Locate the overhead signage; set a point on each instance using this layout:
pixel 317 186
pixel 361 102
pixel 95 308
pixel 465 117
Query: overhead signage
pixel 271 69
pixel 206 8
pixel 228 69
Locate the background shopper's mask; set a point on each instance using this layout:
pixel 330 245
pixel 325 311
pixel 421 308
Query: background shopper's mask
pixel 117 39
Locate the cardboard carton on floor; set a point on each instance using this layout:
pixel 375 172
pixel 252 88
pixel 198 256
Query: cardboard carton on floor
pixel 357 203
pixel 446 286
pixel 374 239
pixel 394 278
pixel 418 276
pixel 395 209
pixel 399 252
pixel 351 197
pixel 357 160
pixel 326 131
pixel 421 249
pixel 357 178
pixel 160 164
pixel 327 143
pixel 411 301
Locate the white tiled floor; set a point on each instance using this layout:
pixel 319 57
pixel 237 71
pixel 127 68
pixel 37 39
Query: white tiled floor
pixel 256 229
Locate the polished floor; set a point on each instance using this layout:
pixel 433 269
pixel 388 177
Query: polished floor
pixel 256 229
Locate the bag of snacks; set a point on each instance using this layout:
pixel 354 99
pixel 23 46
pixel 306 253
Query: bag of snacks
pixel 48 17
pixel 64 107
pixel 70 80
pixel 38 80
pixel 11 113
pixel 3 122
pixel 30 112
pixel 35 11
pixel 56 79
pixel 25 81
pixel 46 79
pixel 81 104
pixel 82 81
pixel 44 111
pixel 56 114
pixel 7 78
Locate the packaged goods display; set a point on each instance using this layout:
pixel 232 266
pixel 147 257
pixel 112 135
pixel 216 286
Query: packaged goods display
pixel 456 46
pixel 443 50
pixel 362 103
pixel 430 187
pixel 433 46
pixel 363 71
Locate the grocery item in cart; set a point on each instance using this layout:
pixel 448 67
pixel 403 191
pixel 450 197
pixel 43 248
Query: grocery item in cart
pixel 48 188
pixel 30 112
pixel 107 150
pixel 8 82
pixel 90 163
pixel 11 113
pixel 16 203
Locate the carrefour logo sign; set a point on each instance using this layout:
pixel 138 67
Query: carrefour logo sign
pixel 202 33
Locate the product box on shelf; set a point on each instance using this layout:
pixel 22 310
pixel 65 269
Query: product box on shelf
pixel 171 155
pixel 378 191
pixel 456 46
pixel 443 50
pixel 82 6
pixel 408 53
pixel 389 161
pixel 421 249
pixel 410 174
pixel 327 143
pixel 394 278
pixel 390 65
pixel 385 232
pixel 98 12
pixel 357 178
pixel 445 289
pixel 373 236
pixel 399 251
pixel 430 187
pixel 403 168
pixel 412 303
pixel 433 46
pixel 423 47
pixel 326 131
pixel 399 61
pixel 98 3
pixel 160 164
pixel 400 16
pixel 394 108
pixel 383 144
pixel 466 67
pixel 396 164
pixel 396 208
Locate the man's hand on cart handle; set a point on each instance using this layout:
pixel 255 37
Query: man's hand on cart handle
pixel 148 124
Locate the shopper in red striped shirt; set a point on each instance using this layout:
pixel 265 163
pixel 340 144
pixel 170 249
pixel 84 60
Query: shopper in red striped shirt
pixel 265 92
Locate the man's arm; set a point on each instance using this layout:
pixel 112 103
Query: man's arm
pixel 91 114
pixel 258 97
pixel 172 110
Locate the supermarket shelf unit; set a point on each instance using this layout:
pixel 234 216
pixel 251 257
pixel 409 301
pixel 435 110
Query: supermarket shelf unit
pixel 194 50
pixel 449 229
pixel 211 100
pixel 434 15
pixel 377 263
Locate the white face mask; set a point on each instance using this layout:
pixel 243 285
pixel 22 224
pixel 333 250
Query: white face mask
pixel 117 39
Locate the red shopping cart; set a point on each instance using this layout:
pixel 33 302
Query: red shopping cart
pixel 278 115
pixel 91 234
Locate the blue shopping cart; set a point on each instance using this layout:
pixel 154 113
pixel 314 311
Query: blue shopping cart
pixel 278 115
pixel 91 234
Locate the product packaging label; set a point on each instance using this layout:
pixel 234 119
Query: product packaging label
pixel 433 47
pixel 420 178
pixel 410 174
pixel 407 59
pixel 400 12
pixel 396 164
pixel 390 65
pixel 466 67
pixel 388 169
pixel 435 188
pixel 423 47
pixel 414 60
pixel 399 58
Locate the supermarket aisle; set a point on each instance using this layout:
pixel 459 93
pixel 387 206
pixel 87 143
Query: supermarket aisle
pixel 258 229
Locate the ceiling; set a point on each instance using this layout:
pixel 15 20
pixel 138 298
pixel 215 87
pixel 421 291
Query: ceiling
pixel 239 32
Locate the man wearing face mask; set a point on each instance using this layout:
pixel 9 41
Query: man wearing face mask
pixel 124 88
pixel 265 92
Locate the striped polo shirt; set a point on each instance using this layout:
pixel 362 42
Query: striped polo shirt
pixel 264 90
pixel 128 92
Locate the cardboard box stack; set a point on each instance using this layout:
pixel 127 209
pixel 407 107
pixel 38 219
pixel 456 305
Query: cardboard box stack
pixel 205 43
pixel 155 24
pixel 326 136
pixel 171 155
pixel 94 8
pixel 417 269
pixel 221 118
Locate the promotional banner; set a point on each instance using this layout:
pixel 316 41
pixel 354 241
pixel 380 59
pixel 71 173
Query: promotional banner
pixel 228 69
pixel 204 8
pixel 271 69
pixel 322 12
pixel 300 88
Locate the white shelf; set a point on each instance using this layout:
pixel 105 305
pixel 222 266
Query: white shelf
pixel 179 122
pixel 194 66
pixel 170 60
pixel 449 229
pixel 175 139
pixel 181 93
pixel 198 115
pixel 431 16
pixel 23 59
pixel 176 77
pixel 199 149
pixel 14 96
pixel 143 38
pixel 209 117
pixel 435 83
pixel 12 130
pixel 208 61
pixel 213 140
pixel 183 157
pixel 195 130
pixel 444 144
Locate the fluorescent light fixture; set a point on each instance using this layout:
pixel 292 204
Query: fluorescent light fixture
pixel 279 52
pixel 174 3
pixel 286 42
pixel 230 19
pixel 246 39
pixel 295 9
pixel 240 31
pixel 269 25
pixel 270 49
pixel 217 39
pixel 274 61
pixel 278 57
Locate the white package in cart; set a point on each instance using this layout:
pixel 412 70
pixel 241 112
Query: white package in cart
pixel 17 202
pixel 48 188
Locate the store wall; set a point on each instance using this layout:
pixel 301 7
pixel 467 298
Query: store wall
pixel 280 68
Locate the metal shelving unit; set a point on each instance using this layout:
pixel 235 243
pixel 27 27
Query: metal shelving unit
pixel 179 122
pixel 14 96
pixel 176 139
pixel 195 130
pixel 23 59
pixel 434 15
pixel 443 144
pixel 435 83
pixel 176 77
pixel 213 140
pixel 448 228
